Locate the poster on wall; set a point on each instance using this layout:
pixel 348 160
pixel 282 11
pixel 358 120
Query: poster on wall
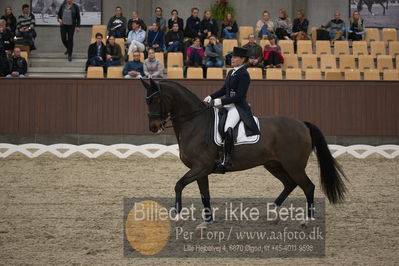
pixel 377 13
pixel 45 11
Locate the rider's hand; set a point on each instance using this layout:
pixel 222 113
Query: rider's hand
pixel 208 99
pixel 217 103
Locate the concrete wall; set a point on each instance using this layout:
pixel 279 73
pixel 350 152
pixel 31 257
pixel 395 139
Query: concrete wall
pixel 318 12
pixel 321 11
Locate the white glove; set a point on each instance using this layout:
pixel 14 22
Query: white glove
pixel 217 102
pixel 208 99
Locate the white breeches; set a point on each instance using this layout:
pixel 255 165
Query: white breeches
pixel 135 46
pixel 233 117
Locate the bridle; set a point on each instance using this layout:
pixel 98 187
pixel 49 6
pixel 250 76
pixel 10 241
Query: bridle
pixel 161 115
pixel 166 117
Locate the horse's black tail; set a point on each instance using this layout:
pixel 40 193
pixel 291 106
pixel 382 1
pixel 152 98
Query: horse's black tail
pixel 330 171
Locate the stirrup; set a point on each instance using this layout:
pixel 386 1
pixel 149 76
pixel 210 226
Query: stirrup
pixel 219 169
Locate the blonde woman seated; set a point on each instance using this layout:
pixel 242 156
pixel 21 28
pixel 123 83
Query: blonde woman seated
pixel 152 66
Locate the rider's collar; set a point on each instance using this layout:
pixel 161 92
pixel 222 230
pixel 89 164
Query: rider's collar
pixel 237 68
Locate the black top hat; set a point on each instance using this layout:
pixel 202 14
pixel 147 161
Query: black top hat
pixel 239 51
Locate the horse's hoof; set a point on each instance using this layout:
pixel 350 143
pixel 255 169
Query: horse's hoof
pixel 275 220
pixel 203 225
pixel 179 220
pixel 305 223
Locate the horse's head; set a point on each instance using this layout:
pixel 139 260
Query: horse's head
pixel 157 110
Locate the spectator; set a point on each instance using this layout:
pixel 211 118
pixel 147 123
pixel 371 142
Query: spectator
pixel 272 54
pixel 135 17
pixel 300 27
pixel 152 66
pixel 134 69
pixel 264 26
pixel 175 19
pixel 155 38
pixel 69 19
pixel 208 26
pixel 229 27
pixel 17 65
pixel 11 21
pixel 96 54
pixel 255 52
pixel 3 62
pixel 113 53
pixel 195 53
pixel 214 53
pixel 159 19
pixel 117 24
pixel 337 27
pixel 193 25
pixel 26 27
pixel 283 25
pixel 356 27
pixel 136 38
pixel 174 39
pixel 6 38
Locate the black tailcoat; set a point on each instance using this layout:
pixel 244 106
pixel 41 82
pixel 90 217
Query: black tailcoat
pixel 235 89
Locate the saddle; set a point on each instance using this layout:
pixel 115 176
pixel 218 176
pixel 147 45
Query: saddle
pixel 239 135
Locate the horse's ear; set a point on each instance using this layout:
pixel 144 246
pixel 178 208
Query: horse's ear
pixel 154 85
pixel 145 84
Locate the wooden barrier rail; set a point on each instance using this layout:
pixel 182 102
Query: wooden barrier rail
pixel 117 106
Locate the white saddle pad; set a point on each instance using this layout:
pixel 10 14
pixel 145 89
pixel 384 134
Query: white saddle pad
pixel 241 137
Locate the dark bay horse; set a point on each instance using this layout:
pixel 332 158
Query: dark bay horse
pixel 369 4
pixel 283 148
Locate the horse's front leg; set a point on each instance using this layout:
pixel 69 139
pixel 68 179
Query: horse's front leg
pixel 191 176
pixel 383 8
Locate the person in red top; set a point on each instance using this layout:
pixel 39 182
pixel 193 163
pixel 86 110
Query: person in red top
pixel 272 54
pixel 195 53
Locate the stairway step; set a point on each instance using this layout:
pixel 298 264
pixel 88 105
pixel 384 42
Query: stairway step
pixel 55 55
pixel 64 70
pixel 57 62
pixel 56 75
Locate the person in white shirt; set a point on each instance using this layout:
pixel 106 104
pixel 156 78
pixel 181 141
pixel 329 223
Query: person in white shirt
pixel 136 38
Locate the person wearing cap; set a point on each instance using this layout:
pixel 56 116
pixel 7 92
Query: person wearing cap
pixel 235 91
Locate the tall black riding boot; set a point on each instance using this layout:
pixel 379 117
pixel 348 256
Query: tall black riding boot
pixel 228 148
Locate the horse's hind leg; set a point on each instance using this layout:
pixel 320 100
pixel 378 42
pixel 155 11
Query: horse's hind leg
pixel 300 177
pixel 276 169
pixel 369 7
